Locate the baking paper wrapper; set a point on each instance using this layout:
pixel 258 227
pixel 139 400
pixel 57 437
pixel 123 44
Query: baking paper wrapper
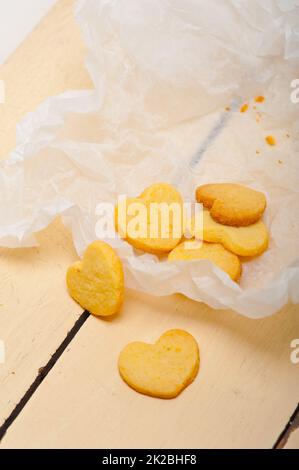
pixel 169 79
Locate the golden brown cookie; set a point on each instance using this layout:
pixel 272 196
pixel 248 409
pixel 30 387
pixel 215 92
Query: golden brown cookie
pixel 152 222
pixel 97 282
pixel 162 369
pixel 216 253
pixel 243 241
pixel 232 204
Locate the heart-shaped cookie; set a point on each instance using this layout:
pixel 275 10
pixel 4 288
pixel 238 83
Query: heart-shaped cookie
pixel 216 253
pixel 97 282
pixel 243 241
pixel 152 222
pixel 232 204
pixel 163 369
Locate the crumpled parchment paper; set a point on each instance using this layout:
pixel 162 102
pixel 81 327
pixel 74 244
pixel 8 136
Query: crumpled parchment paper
pixel 164 71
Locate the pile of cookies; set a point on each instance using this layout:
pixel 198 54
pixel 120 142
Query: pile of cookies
pixel 231 229
pixel 231 225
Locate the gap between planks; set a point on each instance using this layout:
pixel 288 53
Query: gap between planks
pixel 290 427
pixel 42 374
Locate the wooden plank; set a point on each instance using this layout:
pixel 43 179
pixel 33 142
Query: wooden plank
pixel 36 312
pixel 243 397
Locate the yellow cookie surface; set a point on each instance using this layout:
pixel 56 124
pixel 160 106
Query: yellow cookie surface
pixel 162 369
pixel 232 204
pixel 97 282
pixel 161 192
pixel 243 241
pixel 216 253
pixel 152 222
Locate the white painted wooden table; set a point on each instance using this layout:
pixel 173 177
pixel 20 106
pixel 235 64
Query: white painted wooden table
pixel 247 388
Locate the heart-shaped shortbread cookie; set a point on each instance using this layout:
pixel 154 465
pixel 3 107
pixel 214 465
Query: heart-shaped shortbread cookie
pixel 97 282
pixel 216 253
pixel 232 204
pixel 163 369
pixel 243 241
pixel 152 222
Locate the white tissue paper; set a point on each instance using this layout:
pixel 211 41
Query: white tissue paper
pixel 164 71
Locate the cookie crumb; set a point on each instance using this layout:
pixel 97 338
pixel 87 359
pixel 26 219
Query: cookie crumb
pixel 288 136
pixel 270 140
pixel 244 108
pixel 259 99
pixel 280 162
pixel 227 108
pixel 257 152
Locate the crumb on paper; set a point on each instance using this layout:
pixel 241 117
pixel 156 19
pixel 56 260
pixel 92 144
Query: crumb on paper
pixel 257 152
pixel 259 99
pixel 244 108
pixel 280 162
pixel 227 108
pixel 270 140
pixel 288 136
pixel 258 119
